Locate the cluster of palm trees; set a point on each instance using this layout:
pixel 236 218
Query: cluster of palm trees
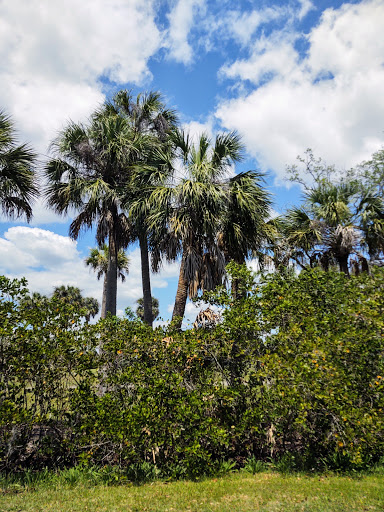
pixel 133 175
pixel 70 295
pixel 340 223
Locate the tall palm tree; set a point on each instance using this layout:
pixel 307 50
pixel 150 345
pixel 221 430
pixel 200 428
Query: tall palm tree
pixel 146 115
pixel 90 174
pixel 192 208
pixel 18 185
pixel 98 260
pixel 244 226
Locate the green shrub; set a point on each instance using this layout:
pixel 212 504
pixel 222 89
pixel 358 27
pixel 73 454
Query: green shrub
pixel 293 373
pixel 253 465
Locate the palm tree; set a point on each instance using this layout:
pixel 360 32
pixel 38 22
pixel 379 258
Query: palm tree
pixel 146 115
pixel 336 220
pixel 191 209
pixel 18 185
pixel 98 260
pixel 140 308
pixel 35 300
pixel 371 215
pixel 90 174
pixel 91 307
pixel 72 295
pixel 245 225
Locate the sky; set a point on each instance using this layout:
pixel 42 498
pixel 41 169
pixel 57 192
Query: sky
pixel 287 75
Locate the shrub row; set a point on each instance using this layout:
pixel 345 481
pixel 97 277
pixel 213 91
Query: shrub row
pixel 294 371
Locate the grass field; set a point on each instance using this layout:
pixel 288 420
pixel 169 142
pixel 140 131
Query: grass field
pixel 236 492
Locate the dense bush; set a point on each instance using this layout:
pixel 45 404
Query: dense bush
pixel 293 372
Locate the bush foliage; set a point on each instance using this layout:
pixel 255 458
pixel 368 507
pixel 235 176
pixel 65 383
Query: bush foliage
pixel 293 373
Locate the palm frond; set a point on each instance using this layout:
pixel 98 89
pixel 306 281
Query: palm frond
pixel 18 179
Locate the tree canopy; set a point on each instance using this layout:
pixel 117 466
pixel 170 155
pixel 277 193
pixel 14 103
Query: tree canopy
pixel 340 217
pixel 18 182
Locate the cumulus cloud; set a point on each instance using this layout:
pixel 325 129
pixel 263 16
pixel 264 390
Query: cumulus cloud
pixel 41 215
pixel 330 100
pixel 53 56
pixel 197 128
pixel 45 247
pixel 47 260
pixel 181 20
pixel 271 56
pixel 241 26
pixel 305 7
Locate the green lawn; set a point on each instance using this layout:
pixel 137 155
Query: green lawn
pixel 237 492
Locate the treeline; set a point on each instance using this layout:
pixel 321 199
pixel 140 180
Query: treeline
pixel 134 175
pixel 294 371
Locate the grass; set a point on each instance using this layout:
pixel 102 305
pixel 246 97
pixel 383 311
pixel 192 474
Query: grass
pixel 235 492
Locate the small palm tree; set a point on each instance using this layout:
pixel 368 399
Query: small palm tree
pixel 35 300
pixel 140 308
pixel 72 295
pixel 98 260
pixel 91 306
pixel 68 294
pixel 18 185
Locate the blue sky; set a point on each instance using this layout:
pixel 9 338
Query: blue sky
pixel 286 75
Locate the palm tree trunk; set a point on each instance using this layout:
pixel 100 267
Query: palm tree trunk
pixel 342 260
pixel 181 297
pixel 110 282
pixel 146 279
pixel 103 302
pixel 236 283
pixel 235 288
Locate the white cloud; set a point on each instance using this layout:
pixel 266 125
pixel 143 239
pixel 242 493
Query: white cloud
pixel 197 128
pixel 330 101
pixel 43 215
pixel 347 41
pixel 14 259
pixel 53 55
pixel 274 55
pixel 242 26
pixel 305 7
pixel 79 40
pixel 45 247
pixel 182 19
pixel 41 107
pixel 47 260
pixel 191 311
